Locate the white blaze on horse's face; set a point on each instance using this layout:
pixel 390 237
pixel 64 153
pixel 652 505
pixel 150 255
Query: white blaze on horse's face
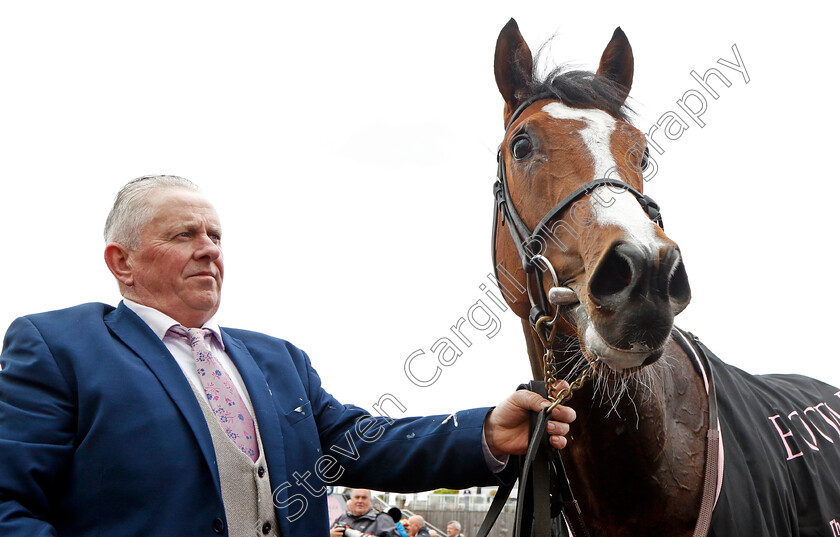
pixel 611 208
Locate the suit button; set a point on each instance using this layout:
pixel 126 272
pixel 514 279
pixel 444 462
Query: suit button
pixel 219 526
pixel 266 528
pixel 261 471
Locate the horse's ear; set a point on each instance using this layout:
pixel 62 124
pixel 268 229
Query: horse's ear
pixel 513 66
pixel 617 61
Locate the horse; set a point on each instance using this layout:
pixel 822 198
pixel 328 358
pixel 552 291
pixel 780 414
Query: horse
pixel 669 440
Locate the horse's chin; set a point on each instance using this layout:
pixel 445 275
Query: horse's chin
pixel 624 361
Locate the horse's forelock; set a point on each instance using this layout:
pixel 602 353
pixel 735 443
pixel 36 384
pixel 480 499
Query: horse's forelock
pixel 584 89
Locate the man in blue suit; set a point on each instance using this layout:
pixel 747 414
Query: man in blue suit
pixel 150 419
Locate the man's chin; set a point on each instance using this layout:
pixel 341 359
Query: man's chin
pixel 204 299
pixel 202 307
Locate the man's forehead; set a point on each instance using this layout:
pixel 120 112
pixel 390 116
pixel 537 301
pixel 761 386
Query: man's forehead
pixel 182 205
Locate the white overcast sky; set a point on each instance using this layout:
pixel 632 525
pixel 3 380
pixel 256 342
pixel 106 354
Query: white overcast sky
pixel 350 150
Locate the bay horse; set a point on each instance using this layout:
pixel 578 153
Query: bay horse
pixel 581 257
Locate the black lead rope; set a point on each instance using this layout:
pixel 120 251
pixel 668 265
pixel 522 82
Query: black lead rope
pixel 525 513
pixel 544 490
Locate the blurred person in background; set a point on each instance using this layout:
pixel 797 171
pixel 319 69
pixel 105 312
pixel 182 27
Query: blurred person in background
pixel 360 515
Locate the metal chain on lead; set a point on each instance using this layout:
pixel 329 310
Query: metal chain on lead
pixel 566 393
pixel 550 371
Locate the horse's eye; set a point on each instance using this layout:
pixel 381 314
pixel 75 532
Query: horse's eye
pixel 645 157
pixel 522 147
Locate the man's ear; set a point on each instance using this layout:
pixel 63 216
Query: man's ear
pixel 117 259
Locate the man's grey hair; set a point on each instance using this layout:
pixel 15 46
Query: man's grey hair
pixel 455 524
pixel 131 212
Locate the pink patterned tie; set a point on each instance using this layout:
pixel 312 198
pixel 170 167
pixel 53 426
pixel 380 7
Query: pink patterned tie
pixel 225 401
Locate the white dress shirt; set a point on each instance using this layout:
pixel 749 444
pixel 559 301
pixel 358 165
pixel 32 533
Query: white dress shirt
pixel 160 323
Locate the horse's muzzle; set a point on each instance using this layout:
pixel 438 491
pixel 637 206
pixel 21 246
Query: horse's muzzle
pixel 634 294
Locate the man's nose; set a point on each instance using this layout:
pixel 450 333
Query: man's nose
pixel 207 247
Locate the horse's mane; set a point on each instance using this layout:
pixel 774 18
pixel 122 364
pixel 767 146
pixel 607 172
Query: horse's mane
pixel 584 89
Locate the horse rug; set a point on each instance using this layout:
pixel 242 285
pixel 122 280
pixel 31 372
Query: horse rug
pixel 781 442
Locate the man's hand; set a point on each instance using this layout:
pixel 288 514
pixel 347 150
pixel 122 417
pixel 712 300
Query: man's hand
pixel 506 426
pixel 336 531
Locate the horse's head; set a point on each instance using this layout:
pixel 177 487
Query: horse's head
pixel 588 250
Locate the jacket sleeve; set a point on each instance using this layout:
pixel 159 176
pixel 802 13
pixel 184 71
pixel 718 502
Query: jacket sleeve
pixel 409 454
pixel 37 431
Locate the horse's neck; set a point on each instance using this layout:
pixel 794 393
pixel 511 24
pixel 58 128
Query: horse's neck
pixel 637 449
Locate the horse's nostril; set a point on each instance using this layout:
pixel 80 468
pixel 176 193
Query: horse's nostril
pixel 612 276
pixel 678 288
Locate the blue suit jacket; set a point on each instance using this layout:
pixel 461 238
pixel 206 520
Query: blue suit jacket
pixel 101 434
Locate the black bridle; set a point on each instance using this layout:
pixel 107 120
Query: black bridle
pixel 527 243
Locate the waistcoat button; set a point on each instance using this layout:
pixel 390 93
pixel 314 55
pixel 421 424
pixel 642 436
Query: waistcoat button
pixel 261 471
pixel 219 526
pixel 266 528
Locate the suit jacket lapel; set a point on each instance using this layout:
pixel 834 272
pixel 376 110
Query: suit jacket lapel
pixel 137 335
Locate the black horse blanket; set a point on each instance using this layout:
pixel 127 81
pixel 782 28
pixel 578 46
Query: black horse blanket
pixel 781 440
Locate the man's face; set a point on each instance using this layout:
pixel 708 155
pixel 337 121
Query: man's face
pixel 359 502
pixel 451 531
pixel 413 527
pixel 178 267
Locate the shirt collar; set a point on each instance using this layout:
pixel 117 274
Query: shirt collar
pixel 160 323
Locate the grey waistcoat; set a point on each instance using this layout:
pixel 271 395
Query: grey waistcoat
pixel 246 489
